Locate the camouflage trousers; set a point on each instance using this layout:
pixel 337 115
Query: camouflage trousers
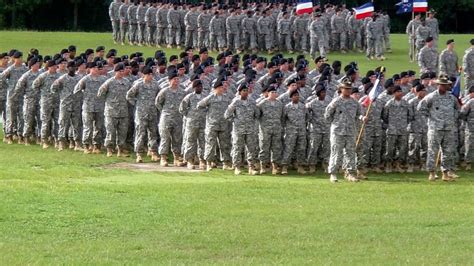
pixel 343 149
pixel 233 40
pixel 213 139
pixel 340 40
pixel 301 42
pixel 417 145
pixel 469 146
pixel 386 42
pixel 194 143
pixel 116 129
pixel 151 35
pixel 133 33
pixel 69 119
pixel 3 114
pixel 285 42
pixel 249 41
pixel 191 38
pixel 31 119
pixel 396 143
pixel 142 38
pixel 294 143
pixel 93 123
pixel 266 41
pixel 13 123
pixel 171 136
pixel 318 148
pixel 244 142
pixel 146 130
pixel 174 36
pixel 49 120
pixel 317 46
pixel 443 139
pixel 116 30
pixel 270 143
pixel 123 31
pixel 203 39
pixel 369 151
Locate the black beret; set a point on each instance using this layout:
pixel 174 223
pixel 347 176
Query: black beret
pixel 449 41
pixel 420 87
pixel 91 65
pixel 180 65
pixel 472 43
pixel 203 50
pixel 17 54
pixel 355 90
pixel 172 75
pixel 397 88
pixel 117 60
pixel 50 63
pixel 3 55
pixel 411 73
pixel 295 92
pixel 291 81
pixel 195 57
pixel 350 72
pixel 89 51
pixel 173 57
pixel 242 87
pixel 370 73
pixel 415 83
pixel 260 59
pixel 396 77
pixel 119 67
pixel 63 51
pixel 33 61
pixel 100 48
pixel 71 64
pixel 365 80
pixel 429 39
pixel 227 53
pixel 147 70
pixel 111 54
pixel 159 54
pixel 197 82
pixel 403 74
pixel 80 61
pixel 318 88
pixel 218 83
pixel 270 88
pixel 72 48
pixel 388 83
pixel 471 89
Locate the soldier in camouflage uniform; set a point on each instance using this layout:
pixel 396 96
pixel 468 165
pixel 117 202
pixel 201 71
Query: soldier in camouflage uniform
pixel 92 108
pixel 300 32
pixel 318 129
pixel 217 128
pixel 295 116
pixel 338 31
pixel 356 28
pixel 270 131
pixel 9 77
pixel 467 114
pixel 190 22
pixel 115 19
pixel 249 32
pixel 421 33
pixel 64 87
pixel 195 126
pixel 468 66
pixel 317 36
pixel 124 24
pixel 428 57
pixel 217 36
pixel 386 32
pixel 174 26
pixel 133 23
pixel 265 31
pixel 142 26
pixel 396 115
pixel 233 29
pixel 418 128
pixel 284 32
pixel 150 20
pixel 343 114
pixel 433 24
pixel 171 121
pixel 448 60
pixel 142 96
pixel 203 22
pixel 49 104
pixel 411 31
pixel 24 89
pixel 442 110
pixel 243 114
pixel 374 34
pixel 114 92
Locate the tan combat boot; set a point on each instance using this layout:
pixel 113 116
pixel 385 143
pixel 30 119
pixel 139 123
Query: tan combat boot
pixel 110 152
pixel 191 164
pixel 227 166
pixel 209 166
pixel 284 170
pixel 432 176
pixel 96 149
pixel 60 145
pixel 164 160
pixel 274 169
pixel 361 174
pixel 351 178
pixel 263 169
pixel 87 149
pixel 333 178
pixel 45 144
pixel 71 145
pixel 312 169
pixel 446 177
pixel 178 160
pixel 399 168
pixel 9 140
pixel 300 170
pixel 202 165
pixel 388 167
pixel 237 170
pixel 155 157
pixel 27 141
pixel 410 168
pixel 468 167
pixel 21 140
pixel 452 175
pixel 252 170
pixel 77 146
pixel 139 158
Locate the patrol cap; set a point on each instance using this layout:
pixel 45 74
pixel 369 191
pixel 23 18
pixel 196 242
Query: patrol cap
pixel 420 87
pixel 119 67
pixel 100 48
pixel 397 88
pixel 429 39
pixel 449 41
pixel 17 54
pixel 293 93
pixel 147 70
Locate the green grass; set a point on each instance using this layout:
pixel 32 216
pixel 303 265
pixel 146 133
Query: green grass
pixel 63 208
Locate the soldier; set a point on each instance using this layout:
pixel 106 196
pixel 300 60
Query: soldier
pixel 64 87
pixel 171 121
pixel 432 23
pixel 317 36
pixel 142 96
pixel 270 131
pixel 467 114
pixel 142 26
pixel 203 22
pixel 422 32
pixel 356 27
pixel 195 126
pixel 428 57
pixel 338 31
pixel 217 128
pixel 417 128
pixel 319 129
pixel 150 20
pixel 448 60
pixel 265 31
pixel 233 25
pixel 249 32
pixel 284 32
pixel 123 16
pixel 300 32
pixel 243 114
pixel 133 23
pixel 92 107
pixel 411 31
pixel 396 115
pixel 374 33
pixel 174 26
pixel 114 92
pixel 343 113
pixel 295 116
pixel 9 77
pixel 190 22
pixel 441 108
pixel 49 105
pixel 386 32
pixel 24 89
pixel 468 66
pixel 3 93
pixel 115 19
pixel 217 37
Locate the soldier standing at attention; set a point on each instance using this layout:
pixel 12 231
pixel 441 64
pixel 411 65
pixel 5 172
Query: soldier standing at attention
pixel 338 30
pixel 433 24
pixel 300 32
pixel 343 113
pixel 448 60
pixel 217 32
pixel 133 23
pixel 150 20
pixel 411 31
pixel 421 33
pixel 174 26
pixel 441 108
pixel 114 92
pixel 428 57
pixel 249 32
pixel 190 22
pixel 142 96
pixel 467 114
pixel 468 66
pixel 418 129
pixel 204 19
pixel 317 36
pixel 115 19
pixel 141 15
pixel 123 16
pixel 265 30
pixel 233 26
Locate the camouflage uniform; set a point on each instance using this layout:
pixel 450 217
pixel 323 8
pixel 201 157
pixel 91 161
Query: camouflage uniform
pixel 386 32
pixel 49 105
pixel 233 25
pixel 411 31
pixel 24 89
pixel 249 31
pixel 203 22
pixel 265 31
pixel 173 19
pixel 319 131
pixel 375 34
pixel 300 32
pixel 141 15
pixel 217 33
pixel 123 16
pixel 133 24
pixel 150 20
pixel 243 114
pixel 428 59
pixel 338 31
pixel 468 68
pixel 432 23
pixel 295 117
pixel 448 63
pixel 64 87
pixel 397 115
pixel 417 141
pixel 317 38
pixel 270 131
pixel 467 114
pixel 422 32
pixel 92 109
pixel 370 146
pixel 194 136
pixel 115 19
pixel 190 21
pixel 284 32
pixel 442 114
pixel 343 115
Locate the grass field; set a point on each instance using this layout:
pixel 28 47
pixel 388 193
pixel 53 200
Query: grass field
pixel 64 208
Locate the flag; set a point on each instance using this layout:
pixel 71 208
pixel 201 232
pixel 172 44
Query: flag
pixel 456 90
pixel 364 11
pixel 304 6
pixel 405 6
pixel 376 90
pixel 420 6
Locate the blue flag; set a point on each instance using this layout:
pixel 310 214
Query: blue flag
pixel 456 90
pixel 405 6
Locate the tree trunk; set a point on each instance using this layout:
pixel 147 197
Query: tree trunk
pixel 76 15
pixel 13 24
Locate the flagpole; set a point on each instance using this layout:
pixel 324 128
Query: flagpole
pixel 413 55
pixel 359 137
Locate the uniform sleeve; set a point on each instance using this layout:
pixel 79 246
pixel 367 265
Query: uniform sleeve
pixel 229 113
pixel 57 85
pixel 386 113
pixel 132 93
pixel 160 100
pixel 465 110
pixel 38 82
pixel 423 107
pixel 80 86
pixel 184 106
pixel 103 89
pixel 204 103
pixel 19 87
pixel 330 110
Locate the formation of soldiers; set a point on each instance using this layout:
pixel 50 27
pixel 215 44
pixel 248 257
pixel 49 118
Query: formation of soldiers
pixel 239 111
pixel 249 27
